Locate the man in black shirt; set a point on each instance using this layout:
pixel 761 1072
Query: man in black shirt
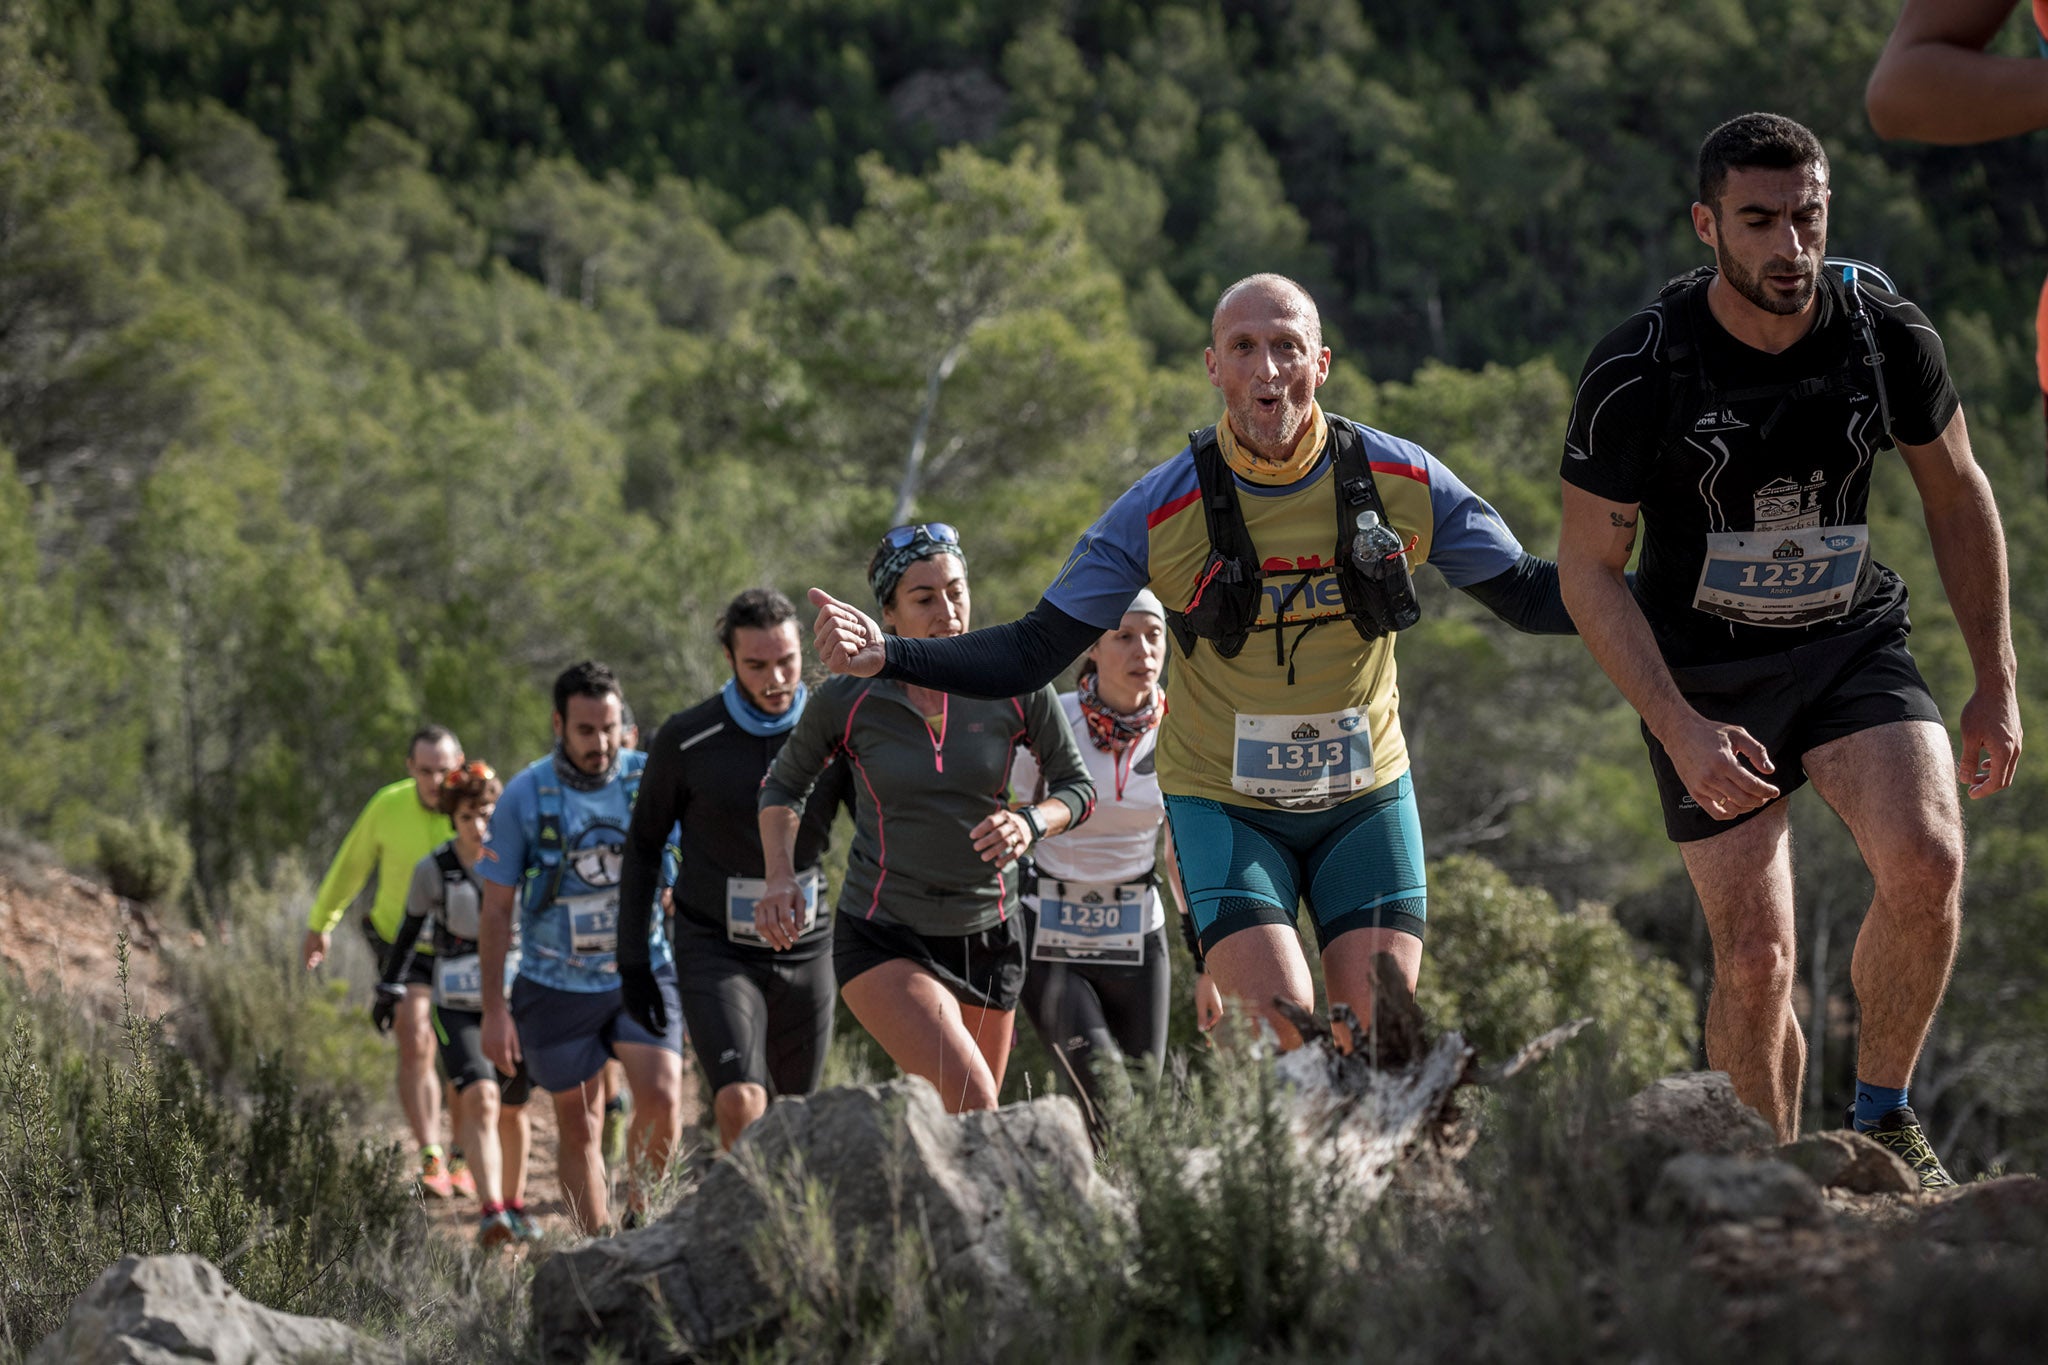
pixel 1740 416
pixel 760 1019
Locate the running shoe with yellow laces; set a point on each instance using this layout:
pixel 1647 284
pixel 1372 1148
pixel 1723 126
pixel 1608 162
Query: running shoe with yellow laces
pixel 459 1178
pixel 1899 1133
pixel 434 1174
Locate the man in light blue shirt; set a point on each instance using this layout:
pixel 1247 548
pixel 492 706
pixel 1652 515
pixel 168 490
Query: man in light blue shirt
pixel 555 848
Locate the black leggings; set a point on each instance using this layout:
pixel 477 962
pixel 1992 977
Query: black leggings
pixel 1091 1016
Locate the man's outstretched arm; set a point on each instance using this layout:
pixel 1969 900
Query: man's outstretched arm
pixel 1592 555
pixel 1935 82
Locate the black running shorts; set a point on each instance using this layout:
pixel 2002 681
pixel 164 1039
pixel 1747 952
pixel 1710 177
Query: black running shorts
pixel 1794 702
pixel 461 1036
pixel 755 1015
pixel 985 970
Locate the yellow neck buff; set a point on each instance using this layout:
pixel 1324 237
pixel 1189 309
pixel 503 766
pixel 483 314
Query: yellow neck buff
pixel 1258 469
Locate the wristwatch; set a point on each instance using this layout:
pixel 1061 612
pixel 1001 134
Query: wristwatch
pixel 1029 815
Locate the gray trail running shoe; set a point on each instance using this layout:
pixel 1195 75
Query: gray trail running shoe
pixel 495 1230
pixel 1899 1133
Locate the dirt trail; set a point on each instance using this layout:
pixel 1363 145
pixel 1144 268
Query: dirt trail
pixel 458 1217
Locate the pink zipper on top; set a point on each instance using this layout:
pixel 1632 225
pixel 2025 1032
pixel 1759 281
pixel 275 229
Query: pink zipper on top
pixel 938 740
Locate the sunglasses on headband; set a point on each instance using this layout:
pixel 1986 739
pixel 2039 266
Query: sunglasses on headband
pixel 903 537
pixel 476 770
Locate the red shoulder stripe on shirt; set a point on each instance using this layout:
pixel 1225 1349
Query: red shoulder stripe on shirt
pixel 1166 510
pixel 1406 471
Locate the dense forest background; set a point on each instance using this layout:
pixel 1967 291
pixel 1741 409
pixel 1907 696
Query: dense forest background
pixel 365 361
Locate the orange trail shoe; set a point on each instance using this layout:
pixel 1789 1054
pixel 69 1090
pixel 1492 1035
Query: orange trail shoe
pixel 459 1178
pixel 434 1179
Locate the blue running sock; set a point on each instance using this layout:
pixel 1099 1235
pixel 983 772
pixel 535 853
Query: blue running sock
pixel 1873 1102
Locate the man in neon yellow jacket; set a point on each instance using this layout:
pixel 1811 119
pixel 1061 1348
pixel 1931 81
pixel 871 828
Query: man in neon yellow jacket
pixel 398 827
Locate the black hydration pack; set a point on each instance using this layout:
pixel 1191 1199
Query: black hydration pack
pixel 1224 609
pixel 1691 396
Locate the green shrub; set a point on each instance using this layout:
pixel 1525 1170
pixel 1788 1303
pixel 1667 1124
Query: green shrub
pixel 251 1004
pixel 1504 964
pixel 1233 1243
pixel 868 1305
pixel 145 859
pixel 112 1150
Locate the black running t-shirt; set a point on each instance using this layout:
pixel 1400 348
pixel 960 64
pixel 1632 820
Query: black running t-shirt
pixel 1754 498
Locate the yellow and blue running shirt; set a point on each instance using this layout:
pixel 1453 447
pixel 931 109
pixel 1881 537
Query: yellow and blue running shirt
pixel 1157 536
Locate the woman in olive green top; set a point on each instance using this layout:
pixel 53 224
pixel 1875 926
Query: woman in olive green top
pixel 928 946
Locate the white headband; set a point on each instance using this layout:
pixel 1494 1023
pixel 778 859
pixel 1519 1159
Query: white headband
pixel 1147 602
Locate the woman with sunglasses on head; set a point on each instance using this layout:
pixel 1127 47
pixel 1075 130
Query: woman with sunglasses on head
pixel 1098 984
pixel 927 944
pixel 490 1107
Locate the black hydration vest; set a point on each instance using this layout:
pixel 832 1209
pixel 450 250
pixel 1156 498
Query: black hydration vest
pixel 1224 609
pixel 1691 396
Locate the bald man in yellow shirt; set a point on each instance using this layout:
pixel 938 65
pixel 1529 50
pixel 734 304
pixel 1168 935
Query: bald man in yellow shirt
pixel 400 825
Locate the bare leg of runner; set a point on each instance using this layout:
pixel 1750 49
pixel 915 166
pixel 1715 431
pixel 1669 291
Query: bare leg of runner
pixel 419 1089
pixel 991 1031
pixel 1349 974
pixel 1744 881
pixel 579 1165
pixel 736 1106
pixel 1257 963
pixel 476 1115
pixel 654 1075
pixel 1911 835
pixel 926 1032
pixel 515 1139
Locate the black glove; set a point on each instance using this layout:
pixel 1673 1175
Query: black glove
pixel 641 995
pixel 384 1010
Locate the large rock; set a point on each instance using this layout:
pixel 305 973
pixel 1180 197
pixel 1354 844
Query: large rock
pixel 1693 1112
pixel 2010 1211
pixel 1701 1189
pixel 898 1183
pixel 1842 1160
pixel 173 1310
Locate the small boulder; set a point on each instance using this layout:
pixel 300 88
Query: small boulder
pixel 1838 1159
pixel 171 1310
pixel 841 1191
pixel 2010 1211
pixel 1699 1190
pixel 1695 1112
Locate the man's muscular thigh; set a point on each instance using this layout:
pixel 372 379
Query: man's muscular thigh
pixel 1894 787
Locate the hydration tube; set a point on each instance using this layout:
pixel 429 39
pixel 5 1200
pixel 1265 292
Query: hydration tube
pixel 1866 326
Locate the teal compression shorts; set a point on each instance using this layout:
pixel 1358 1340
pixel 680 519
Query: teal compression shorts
pixel 1358 864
